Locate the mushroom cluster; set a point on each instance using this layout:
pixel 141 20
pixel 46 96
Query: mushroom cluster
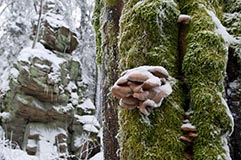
pixel 143 87
pixel 188 137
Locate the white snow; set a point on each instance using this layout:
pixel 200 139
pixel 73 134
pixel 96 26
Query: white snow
pixel 27 53
pixel 56 20
pixel 74 98
pixel 167 89
pixel 88 119
pixel 228 113
pixel 98 156
pixel 71 86
pixel 87 105
pixel 14 72
pixel 7 152
pixel 4 86
pixel 55 75
pixel 221 30
pixel 184 18
pixel 1 132
pixel 90 128
pixel 234 84
pixel 32 143
pixel 225 147
pixel 47 140
pixel 144 70
pixel 188 125
pixel 4 116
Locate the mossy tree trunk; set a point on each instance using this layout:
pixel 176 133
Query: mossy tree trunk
pixel 149 36
pixel 204 66
pixel 107 15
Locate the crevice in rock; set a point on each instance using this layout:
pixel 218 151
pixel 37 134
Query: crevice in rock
pixel 187 137
pixel 182 32
pixel 233 94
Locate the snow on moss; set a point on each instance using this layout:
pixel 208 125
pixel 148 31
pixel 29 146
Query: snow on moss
pixel 220 29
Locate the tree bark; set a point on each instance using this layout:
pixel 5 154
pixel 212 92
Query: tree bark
pixel 108 56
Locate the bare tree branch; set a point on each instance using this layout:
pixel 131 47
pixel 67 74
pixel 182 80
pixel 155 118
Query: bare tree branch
pixel 5 7
pixel 38 25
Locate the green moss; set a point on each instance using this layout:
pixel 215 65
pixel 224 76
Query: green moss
pixel 160 139
pixel 96 23
pixel 149 31
pixel 232 6
pixel 232 21
pixel 192 6
pixel 109 3
pixel 205 58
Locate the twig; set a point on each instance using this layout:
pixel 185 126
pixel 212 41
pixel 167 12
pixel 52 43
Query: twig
pixel 38 25
pixel 6 7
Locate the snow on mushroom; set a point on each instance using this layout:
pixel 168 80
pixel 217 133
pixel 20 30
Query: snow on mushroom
pixel 143 88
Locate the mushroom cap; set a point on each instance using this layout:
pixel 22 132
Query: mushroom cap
pixel 137 77
pixel 135 87
pixel 142 96
pixel 152 103
pixel 185 139
pixel 151 83
pixel 158 98
pixel 130 100
pixel 185 19
pixel 145 109
pixel 192 135
pixel 122 81
pixel 121 91
pixel 188 127
pixel 126 106
pixel 159 71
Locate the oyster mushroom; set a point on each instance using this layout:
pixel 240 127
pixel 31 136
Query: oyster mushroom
pixel 121 91
pixel 142 96
pixel 159 71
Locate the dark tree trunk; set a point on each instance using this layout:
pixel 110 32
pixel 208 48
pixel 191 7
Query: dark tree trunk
pixel 108 56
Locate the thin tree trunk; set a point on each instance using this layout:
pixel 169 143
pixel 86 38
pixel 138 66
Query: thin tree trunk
pixel 39 23
pixel 109 28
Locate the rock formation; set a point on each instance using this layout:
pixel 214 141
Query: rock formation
pixel 46 110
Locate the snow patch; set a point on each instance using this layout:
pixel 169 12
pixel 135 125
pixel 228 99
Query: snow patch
pixel 98 156
pixel 188 125
pixel 5 116
pixel 221 30
pixel 87 105
pixel 27 53
pixel 90 128
pixel 88 119
pixel 56 20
